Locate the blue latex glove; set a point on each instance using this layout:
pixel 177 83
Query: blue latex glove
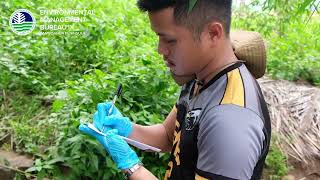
pixel 118 148
pixel 113 121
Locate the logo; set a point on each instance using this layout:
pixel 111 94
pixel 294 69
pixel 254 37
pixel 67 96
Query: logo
pixel 22 22
pixel 192 118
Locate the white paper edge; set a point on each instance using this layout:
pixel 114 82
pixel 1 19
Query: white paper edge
pixel 134 143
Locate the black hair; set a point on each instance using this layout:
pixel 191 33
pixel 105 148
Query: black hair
pixel 154 5
pixel 202 13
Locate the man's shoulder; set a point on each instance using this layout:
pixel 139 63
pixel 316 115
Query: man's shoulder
pixel 230 141
pixel 231 116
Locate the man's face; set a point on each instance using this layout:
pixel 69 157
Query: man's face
pixel 182 53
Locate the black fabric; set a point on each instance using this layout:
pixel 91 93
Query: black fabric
pixel 257 172
pixel 188 153
pixel 212 176
pixel 221 73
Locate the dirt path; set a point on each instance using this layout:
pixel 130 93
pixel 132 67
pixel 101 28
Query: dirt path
pixel 10 161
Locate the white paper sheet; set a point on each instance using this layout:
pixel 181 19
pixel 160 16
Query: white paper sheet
pixel 132 142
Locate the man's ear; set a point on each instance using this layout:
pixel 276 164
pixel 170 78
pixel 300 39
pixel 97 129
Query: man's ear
pixel 214 32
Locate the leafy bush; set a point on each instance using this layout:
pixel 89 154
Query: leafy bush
pixel 146 100
pixel 120 49
pixel 276 162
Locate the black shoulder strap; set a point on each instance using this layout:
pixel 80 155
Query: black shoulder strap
pixel 257 172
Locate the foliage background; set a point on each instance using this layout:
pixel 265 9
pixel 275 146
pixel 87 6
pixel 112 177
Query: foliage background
pixel 49 84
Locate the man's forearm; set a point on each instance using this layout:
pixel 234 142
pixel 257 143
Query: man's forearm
pixel 155 135
pixel 142 173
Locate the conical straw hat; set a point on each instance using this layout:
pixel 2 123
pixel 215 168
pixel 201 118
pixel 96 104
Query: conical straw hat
pixel 249 47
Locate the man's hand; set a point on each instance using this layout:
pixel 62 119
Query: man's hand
pixel 118 149
pixel 158 135
pixel 104 121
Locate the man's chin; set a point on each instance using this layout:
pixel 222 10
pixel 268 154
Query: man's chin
pixel 181 79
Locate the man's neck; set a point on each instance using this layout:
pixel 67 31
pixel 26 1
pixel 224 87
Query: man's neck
pixel 222 60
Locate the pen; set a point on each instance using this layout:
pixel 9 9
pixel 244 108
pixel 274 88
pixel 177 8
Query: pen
pixel 117 94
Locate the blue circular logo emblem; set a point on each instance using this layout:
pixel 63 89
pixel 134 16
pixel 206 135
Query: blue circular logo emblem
pixel 22 22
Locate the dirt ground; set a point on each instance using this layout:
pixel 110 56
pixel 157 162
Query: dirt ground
pixel 302 171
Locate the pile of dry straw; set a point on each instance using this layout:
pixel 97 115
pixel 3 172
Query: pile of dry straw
pixel 295 117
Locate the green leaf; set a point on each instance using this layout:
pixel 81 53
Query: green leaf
pixel 304 5
pixel 57 159
pixel 99 73
pixel 75 139
pixel 57 105
pixel 31 169
pixel 192 3
pixel 95 161
pixel 38 168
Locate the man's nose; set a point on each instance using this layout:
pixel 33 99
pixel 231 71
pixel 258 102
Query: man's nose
pixel 162 50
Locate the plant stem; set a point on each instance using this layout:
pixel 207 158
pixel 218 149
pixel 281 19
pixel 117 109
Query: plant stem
pixel 18 170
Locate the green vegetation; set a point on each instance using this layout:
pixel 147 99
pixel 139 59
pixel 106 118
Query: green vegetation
pixel 276 162
pixel 118 46
pixel 291 38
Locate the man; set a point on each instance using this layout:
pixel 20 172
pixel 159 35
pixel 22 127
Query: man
pixel 219 127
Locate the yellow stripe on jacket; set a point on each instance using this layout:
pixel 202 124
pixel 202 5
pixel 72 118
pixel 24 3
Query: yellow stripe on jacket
pixel 234 93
